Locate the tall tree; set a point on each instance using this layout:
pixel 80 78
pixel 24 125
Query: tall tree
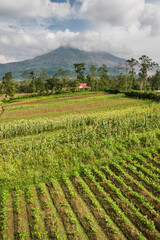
pixel 32 77
pixel 103 82
pixel 8 85
pixel 54 84
pixel 91 78
pixel 79 69
pixel 25 86
pixel 43 75
pixel 93 70
pixel 39 85
pixel 33 80
pixel 49 85
pixel 131 64
pixel 63 76
pixel 154 80
pixel 146 64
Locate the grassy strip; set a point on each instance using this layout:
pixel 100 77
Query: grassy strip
pixel 42 96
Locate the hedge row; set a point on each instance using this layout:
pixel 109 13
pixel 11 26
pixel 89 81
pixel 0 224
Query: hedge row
pixel 143 95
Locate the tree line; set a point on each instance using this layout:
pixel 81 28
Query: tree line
pixel 125 78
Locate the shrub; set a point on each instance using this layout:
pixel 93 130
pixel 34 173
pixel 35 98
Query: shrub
pixel 142 95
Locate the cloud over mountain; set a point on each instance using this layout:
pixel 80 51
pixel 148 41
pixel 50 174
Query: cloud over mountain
pixel 126 28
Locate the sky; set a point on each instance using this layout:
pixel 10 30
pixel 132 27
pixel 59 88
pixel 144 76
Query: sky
pixel 124 28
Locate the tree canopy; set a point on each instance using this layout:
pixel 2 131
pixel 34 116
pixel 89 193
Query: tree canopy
pixel 8 85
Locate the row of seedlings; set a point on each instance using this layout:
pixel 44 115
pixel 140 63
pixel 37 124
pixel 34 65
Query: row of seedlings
pixel 111 208
pixel 145 225
pixel 147 168
pixel 103 219
pixel 35 215
pixel 138 199
pixel 85 217
pixel 137 186
pixel 22 230
pixel 144 166
pixel 140 176
pixel 6 216
pixel 72 226
pixel 152 156
pixel 52 221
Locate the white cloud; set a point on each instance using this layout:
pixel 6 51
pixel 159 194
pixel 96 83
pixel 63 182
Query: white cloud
pixel 27 43
pixel 114 12
pixel 34 8
pixel 2 59
pixel 151 17
pixel 126 28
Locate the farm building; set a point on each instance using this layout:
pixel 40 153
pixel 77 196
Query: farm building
pixel 83 86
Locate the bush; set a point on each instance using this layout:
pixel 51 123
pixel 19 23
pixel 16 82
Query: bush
pixel 112 91
pixel 14 99
pixel 142 95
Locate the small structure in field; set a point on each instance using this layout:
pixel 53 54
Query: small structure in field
pixel 83 86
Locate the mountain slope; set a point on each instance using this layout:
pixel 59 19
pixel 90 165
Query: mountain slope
pixel 60 58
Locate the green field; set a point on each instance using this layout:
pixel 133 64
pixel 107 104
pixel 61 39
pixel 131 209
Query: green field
pixel 81 166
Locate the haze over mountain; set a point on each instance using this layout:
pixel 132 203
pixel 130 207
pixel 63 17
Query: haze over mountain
pixel 63 58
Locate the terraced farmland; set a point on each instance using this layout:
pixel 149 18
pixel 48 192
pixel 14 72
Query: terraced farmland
pixel 80 168
pixel 116 199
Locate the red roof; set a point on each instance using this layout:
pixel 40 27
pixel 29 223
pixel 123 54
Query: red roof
pixel 83 85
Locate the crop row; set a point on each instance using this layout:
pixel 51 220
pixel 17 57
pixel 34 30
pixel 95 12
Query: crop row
pixel 121 122
pixel 100 201
pixel 19 158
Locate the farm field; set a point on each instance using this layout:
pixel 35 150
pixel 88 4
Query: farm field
pixel 117 199
pixel 51 107
pixel 80 167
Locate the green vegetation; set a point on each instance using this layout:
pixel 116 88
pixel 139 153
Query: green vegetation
pixel 143 95
pixel 97 78
pixel 105 200
pixel 7 85
pixel 80 167
pixel 61 141
pixel 63 58
pixel 45 96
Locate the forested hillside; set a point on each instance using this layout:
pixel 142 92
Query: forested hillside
pixel 60 58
